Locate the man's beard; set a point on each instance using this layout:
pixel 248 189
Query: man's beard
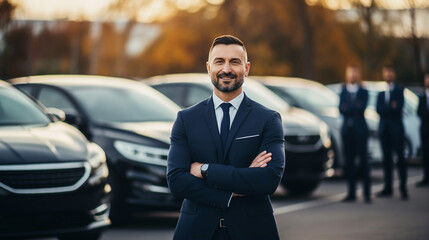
pixel 227 87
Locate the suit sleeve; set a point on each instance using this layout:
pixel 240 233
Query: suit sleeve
pixel 254 181
pixel 180 181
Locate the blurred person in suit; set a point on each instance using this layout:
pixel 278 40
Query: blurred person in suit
pixel 423 113
pixel 226 156
pixel 391 131
pixel 354 131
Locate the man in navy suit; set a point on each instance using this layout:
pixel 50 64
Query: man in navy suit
pixel 226 156
pixel 353 101
pixel 391 132
pixel 423 112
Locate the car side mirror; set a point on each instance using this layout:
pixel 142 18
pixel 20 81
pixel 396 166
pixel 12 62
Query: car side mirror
pixel 56 114
pixel 72 118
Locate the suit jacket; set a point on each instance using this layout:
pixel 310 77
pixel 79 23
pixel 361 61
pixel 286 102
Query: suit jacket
pixel 391 112
pixel 195 138
pixel 353 109
pixel 423 112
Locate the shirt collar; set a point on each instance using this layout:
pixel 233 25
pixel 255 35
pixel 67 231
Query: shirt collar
pixel 353 88
pixel 234 102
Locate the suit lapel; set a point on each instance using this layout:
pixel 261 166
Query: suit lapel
pixel 242 113
pixel 213 129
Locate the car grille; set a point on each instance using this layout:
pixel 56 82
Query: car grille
pixel 302 140
pixel 43 178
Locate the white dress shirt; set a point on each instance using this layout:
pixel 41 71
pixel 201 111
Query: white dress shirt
pixel 232 110
pixel 387 93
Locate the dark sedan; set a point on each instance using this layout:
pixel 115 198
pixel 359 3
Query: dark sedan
pixel 53 181
pixel 129 120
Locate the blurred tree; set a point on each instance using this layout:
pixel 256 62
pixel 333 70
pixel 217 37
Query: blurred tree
pixel 415 42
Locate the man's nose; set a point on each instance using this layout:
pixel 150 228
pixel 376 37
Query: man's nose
pixel 226 68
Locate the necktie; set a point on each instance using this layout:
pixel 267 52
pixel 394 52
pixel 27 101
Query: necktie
pixel 224 126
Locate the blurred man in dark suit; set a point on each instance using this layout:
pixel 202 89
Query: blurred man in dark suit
pixel 423 112
pixel 391 132
pixel 353 101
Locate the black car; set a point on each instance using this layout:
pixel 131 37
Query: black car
pixel 53 181
pixel 131 122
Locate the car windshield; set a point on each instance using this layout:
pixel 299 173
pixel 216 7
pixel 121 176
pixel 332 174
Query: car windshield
pixel 314 98
pixel 264 96
pixel 125 104
pixel 18 109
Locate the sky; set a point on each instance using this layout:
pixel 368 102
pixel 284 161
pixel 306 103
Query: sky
pixel 96 9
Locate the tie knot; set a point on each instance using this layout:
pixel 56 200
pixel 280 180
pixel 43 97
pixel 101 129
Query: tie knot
pixel 225 106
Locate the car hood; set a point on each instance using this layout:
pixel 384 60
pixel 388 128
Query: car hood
pixel 56 142
pixel 297 120
pixel 160 131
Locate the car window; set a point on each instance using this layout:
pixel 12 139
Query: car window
pixel 282 95
pixel 127 104
pixel 53 98
pixel 314 97
pixel 18 109
pixel 26 88
pixel 196 94
pixel 175 92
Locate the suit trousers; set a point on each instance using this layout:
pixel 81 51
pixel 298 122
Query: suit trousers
pixel 425 159
pixel 221 234
pixel 355 145
pixel 393 141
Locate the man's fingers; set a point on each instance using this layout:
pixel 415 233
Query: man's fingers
pixel 264 157
pixel 261 163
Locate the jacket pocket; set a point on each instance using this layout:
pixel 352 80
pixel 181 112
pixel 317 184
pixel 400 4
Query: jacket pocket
pixel 247 137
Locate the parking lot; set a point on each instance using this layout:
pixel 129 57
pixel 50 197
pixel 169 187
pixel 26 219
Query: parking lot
pixel 322 216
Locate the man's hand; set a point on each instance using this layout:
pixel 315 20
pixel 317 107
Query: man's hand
pixel 196 169
pixel 261 160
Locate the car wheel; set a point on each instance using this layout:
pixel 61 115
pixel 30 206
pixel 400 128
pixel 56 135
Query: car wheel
pixel 81 236
pixel 300 187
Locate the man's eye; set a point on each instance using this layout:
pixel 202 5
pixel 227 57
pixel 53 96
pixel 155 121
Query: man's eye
pixel 218 61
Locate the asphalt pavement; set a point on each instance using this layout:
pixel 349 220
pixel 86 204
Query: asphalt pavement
pixel 321 216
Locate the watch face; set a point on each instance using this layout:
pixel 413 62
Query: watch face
pixel 204 167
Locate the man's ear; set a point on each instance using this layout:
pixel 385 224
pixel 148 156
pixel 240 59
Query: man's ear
pixel 247 69
pixel 208 67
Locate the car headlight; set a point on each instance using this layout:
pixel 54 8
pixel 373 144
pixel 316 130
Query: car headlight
pixel 324 135
pixel 142 153
pixel 97 161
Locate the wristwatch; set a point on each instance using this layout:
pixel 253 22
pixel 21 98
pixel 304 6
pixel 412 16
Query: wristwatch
pixel 204 169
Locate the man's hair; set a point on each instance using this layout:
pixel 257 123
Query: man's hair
pixel 389 66
pixel 227 40
pixel 352 65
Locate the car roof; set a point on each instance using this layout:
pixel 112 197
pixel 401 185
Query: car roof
pixel 4 84
pixel 202 78
pixel 73 80
pixel 286 81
